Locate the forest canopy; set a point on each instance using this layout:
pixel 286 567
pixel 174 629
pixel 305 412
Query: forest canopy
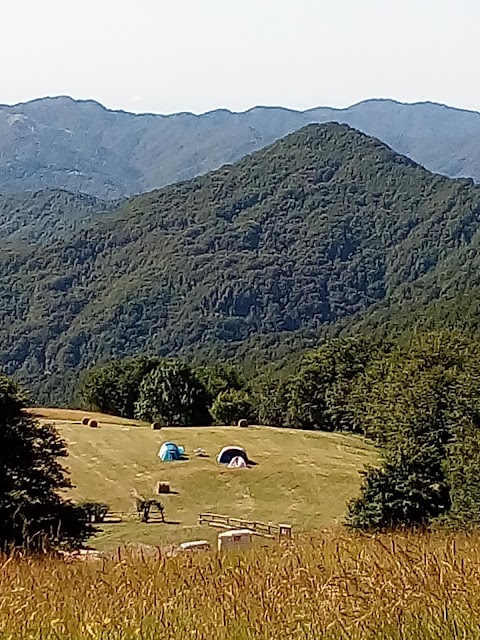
pixel 325 229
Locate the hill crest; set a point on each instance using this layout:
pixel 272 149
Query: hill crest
pixel 312 230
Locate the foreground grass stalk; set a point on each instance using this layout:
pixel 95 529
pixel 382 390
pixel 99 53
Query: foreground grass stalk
pixel 334 586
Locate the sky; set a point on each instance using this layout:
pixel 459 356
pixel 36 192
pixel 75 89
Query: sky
pixel 164 56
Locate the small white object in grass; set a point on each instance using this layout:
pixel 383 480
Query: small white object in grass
pixel 195 545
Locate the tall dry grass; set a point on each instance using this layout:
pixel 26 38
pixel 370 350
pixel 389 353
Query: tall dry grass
pixel 332 586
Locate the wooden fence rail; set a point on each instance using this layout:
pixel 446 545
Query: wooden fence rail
pixel 267 530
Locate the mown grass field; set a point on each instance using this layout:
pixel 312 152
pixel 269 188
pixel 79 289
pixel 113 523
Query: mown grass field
pixel 332 586
pixel 301 478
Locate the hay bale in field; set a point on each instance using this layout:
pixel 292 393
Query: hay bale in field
pixel 156 426
pixel 85 420
pixel 243 423
pixel 93 424
pixel 163 487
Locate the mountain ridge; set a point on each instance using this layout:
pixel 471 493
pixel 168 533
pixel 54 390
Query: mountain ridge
pixel 393 101
pixel 59 142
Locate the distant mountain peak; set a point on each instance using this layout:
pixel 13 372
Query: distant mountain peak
pixel 57 100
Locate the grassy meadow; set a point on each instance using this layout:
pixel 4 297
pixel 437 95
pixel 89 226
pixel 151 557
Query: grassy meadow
pixel 334 585
pixel 301 478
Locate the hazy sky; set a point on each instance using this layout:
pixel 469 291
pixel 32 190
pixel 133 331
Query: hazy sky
pixel 195 55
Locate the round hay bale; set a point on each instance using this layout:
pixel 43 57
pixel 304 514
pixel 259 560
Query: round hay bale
pixel 156 426
pixel 93 423
pixel 243 423
pixel 85 420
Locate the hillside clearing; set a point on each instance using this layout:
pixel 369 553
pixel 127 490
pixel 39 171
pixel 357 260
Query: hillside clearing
pixel 300 477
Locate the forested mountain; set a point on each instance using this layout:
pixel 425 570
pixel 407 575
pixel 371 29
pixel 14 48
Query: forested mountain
pixel 83 147
pixel 43 215
pixel 313 231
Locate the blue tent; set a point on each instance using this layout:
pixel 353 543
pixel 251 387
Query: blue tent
pixel 169 452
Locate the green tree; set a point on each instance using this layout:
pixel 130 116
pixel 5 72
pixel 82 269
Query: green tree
pixel 463 450
pixel 462 473
pixel 231 406
pixel 32 512
pixel 115 387
pixel 173 395
pixel 319 393
pixel 399 496
pixel 220 377
pixel 421 404
pixel 271 398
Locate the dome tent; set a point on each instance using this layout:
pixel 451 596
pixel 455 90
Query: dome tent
pixel 227 454
pixel 169 452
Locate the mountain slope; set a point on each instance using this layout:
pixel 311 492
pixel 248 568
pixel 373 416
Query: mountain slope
pixel 43 215
pixel 81 146
pixel 317 228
